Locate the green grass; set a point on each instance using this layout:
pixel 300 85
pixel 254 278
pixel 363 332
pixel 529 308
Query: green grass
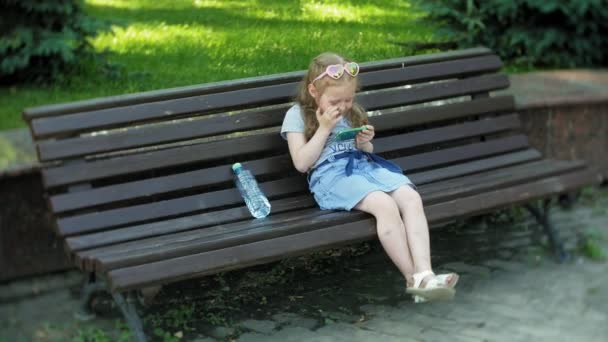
pixel 163 43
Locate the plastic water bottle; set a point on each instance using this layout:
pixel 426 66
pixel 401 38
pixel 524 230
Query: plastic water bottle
pixel 256 201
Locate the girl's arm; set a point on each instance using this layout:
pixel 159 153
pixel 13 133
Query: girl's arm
pixel 367 147
pixel 304 154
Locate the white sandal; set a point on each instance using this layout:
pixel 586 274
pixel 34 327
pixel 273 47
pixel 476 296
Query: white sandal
pixel 433 290
pixel 443 279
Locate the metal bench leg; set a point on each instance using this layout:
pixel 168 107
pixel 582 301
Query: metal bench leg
pixel 127 306
pixel 542 217
pixel 93 284
pixel 90 286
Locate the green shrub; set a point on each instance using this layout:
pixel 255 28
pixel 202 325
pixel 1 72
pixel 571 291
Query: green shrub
pixel 554 33
pixel 42 40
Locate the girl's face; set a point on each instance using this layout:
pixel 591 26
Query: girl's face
pixel 340 95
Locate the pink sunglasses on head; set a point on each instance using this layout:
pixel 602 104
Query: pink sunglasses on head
pixel 336 71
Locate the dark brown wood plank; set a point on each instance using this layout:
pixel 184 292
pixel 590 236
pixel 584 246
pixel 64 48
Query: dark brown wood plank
pixel 220 217
pixel 475 166
pixel 169 109
pixel 86 223
pixel 65 175
pixel 222 174
pixel 434 91
pixel 51 150
pixel 463 153
pixel 256 118
pixel 216 237
pixel 447 133
pixel 433 114
pixel 259 252
pixel 222 86
pixel 485 202
pixel 430 72
pixel 166 184
pixel 163 110
pixel 199 240
pixel 104 238
pixel 495 179
pixel 179 206
pixel 153 160
pixel 196 265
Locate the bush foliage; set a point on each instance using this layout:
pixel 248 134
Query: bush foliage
pixel 41 40
pixel 554 33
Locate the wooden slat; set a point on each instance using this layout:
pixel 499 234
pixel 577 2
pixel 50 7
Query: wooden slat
pixel 180 206
pixel 460 68
pixel 479 204
pixel 220 217
pixel 463 153
pixel 88 241
pixel 65 175
pixel 51 150
pixel 153 160
pixel 196 265
pixel 447 133
pixel 427 115
pixel 166 184
pixel 222 174
pixel 256 118
pixel 233 258
pixel 495 179
pixel 471 167
pixel 169 109
pixel 200 240
pixel 164 94
pixel 111 218
pixel 164 110
pixel 434 91
pixel 215 237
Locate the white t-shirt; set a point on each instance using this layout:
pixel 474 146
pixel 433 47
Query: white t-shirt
pixel 294 122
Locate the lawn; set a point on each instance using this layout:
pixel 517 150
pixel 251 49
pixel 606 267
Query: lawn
pixel 164 43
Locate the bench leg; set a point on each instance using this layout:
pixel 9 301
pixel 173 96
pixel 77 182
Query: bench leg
pixel 89 287
pixel 567 200
pixel 542 217
pixel 93 284
pixel 127 306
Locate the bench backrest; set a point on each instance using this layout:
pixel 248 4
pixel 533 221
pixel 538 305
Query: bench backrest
pixel 137 160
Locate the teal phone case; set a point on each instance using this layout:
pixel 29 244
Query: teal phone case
pixel 347 134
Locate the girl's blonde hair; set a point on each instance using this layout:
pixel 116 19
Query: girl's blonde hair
pixel 356 116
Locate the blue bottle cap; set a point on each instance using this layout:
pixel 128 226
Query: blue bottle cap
pixel 236 166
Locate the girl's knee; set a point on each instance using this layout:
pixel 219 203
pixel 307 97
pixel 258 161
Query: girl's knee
pixel 408 196
pixel 379 204
pixel 385 210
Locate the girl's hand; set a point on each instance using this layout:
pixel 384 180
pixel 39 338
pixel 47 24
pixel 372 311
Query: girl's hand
pixel 365 135
pixel 329 119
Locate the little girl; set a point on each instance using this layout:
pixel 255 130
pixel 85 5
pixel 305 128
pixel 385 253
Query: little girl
pixel 346 174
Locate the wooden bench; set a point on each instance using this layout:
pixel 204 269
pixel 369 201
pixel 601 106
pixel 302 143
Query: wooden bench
pixel 142 191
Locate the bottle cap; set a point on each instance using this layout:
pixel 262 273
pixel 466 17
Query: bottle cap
pixel 236 166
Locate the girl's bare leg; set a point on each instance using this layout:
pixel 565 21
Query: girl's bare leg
pixel 391 230
pixel 416 226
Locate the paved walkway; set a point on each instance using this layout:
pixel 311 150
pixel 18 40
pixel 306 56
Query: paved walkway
pixel 509 302
pixel 520 297
pixel 510 290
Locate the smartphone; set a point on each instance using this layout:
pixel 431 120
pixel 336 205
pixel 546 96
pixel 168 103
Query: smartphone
pixel 347 134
